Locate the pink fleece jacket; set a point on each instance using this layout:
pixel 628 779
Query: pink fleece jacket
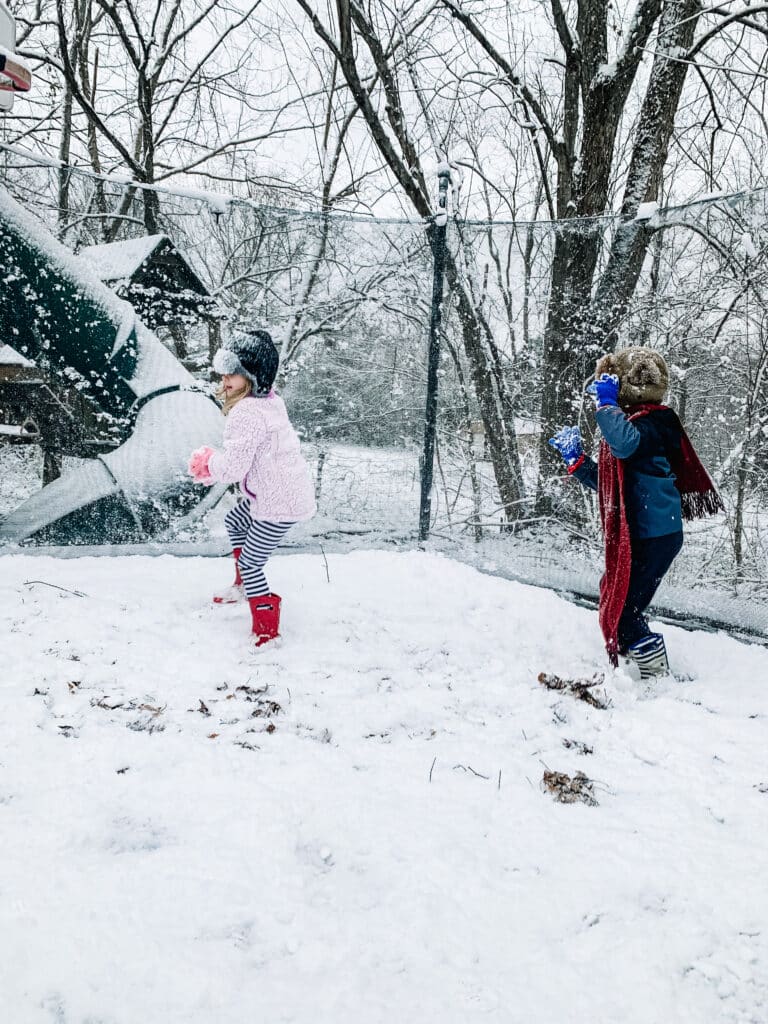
pixel 262 454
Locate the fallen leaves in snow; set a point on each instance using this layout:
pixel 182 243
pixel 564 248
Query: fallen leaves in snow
pixel 582 689
pixel 567 790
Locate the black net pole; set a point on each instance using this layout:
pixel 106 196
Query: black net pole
pixel 437 233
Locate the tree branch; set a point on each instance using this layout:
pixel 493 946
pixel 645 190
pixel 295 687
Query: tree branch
pixel 512 77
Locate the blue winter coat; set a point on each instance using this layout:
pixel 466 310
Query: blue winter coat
pixel 652 499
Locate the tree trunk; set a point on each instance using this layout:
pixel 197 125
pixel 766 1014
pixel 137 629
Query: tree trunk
pixel 492 395
pixel 738 519
pixel 579 327
pixel 474 478
pixel 64 150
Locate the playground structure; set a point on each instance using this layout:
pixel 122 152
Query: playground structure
pixel 140 402
pixel 144 401
pixel 162 286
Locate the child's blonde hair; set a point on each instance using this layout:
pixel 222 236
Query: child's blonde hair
pixel 227 401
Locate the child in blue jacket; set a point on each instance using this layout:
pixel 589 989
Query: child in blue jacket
pixel 648 478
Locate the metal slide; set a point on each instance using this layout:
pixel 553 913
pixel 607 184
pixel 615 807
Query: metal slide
pixel 54 313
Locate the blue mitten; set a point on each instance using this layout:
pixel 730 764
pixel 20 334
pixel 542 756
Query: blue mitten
pixel 605 390
pixel 568 442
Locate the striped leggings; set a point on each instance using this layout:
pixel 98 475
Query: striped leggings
pixel 258 539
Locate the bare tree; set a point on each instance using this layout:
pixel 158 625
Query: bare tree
pixel 152 79
pixel 589 298
pixel 367 51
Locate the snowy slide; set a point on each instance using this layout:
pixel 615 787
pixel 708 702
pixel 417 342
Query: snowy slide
pixel 55 313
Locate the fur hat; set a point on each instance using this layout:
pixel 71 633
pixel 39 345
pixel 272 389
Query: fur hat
pixel 253 355
pixel 643 374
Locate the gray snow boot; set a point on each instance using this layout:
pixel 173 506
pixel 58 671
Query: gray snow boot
pixel 650 656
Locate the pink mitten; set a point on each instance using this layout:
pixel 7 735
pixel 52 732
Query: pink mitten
pixel 198 465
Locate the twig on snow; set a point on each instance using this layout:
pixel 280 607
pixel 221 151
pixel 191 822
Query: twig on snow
pixel 469 768
pixel 44 583
pixel 327 570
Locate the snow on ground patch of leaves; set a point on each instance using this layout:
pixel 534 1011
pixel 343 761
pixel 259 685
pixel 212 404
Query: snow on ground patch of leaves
pixel 353 826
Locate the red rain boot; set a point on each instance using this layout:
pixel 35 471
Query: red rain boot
pixel 265 611
pixel 233 593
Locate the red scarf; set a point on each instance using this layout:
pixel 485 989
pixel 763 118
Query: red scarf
pixel 698 498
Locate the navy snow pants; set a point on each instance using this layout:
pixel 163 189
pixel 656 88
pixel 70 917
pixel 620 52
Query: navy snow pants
pixel 651 558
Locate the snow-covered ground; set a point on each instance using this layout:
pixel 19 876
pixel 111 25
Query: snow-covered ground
pixel 351 827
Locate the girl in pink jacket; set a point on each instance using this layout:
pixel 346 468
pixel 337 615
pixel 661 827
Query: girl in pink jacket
pixel 262 454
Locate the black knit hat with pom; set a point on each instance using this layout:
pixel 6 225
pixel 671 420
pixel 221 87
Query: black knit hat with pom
pixel 252 354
